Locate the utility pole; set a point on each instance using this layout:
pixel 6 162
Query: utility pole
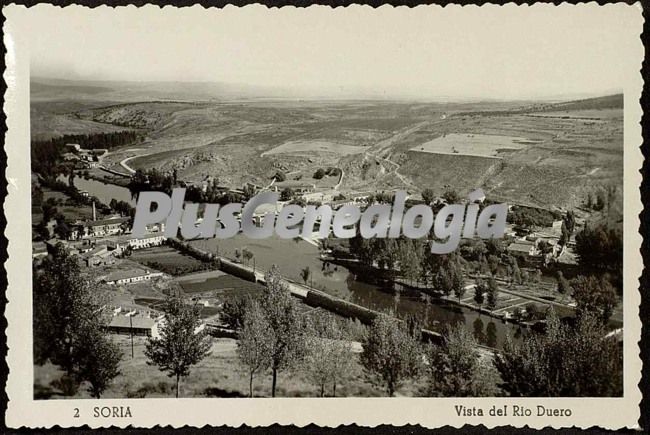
pixel 131 329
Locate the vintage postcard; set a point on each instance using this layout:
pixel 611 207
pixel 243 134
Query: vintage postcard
pixel 253 216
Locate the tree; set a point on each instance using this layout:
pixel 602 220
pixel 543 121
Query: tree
pixel 65 308
pixel 287 345
pixel 247 255
pixel 287 194
pixel 563 286
pixel 428 195
pixel 600 247
pixel 479 290
pixel 320 173
pixel 409 258
pixel 566 361
pixel 180 345
pixel 450 277
pixel 390 354
pixel 492 294
pixel 305 273
pixel 279 176
pixel 595 295
pixel 454 368
pixel 329 355
pixel 99 361
pixel 459 291
pixel 253 347
pixel 451 196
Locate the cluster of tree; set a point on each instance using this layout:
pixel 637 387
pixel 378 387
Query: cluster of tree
pixel 409 259
pixel 181 344
pixel 393 353
pixel 156 180
pixel 566 361
pixel 122 207
pixel 331 171
pixel 602 199
pixel 46 155
pixel 600 247
pixel 594 295
pixel 486 292
pixel 69 325
pixel 244 254
pixel 530 216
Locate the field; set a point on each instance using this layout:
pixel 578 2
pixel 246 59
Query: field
pixel 165 257
pixel 218 375
pixel 302 147
pixel 477 145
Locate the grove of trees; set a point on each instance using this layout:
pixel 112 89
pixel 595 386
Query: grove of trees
pixel 69 325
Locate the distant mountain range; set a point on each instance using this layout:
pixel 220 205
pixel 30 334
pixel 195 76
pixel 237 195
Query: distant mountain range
pixel 49 89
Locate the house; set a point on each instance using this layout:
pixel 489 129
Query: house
pixel 523 249
pixel 105 227
pixel 138 325
pixel 120 243
pixel 97 256
pixel 146 242
pixel 131 276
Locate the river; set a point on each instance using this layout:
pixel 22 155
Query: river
pixel 103 191
pixel 292 256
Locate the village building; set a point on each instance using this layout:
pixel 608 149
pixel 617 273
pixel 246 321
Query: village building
pixel 523 249
pixel 120 243
pixel 299 187
pixel 97 256
pixel 105 227
pixel 131 276
pixel 137 325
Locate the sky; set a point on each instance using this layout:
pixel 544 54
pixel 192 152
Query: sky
pixel 491 52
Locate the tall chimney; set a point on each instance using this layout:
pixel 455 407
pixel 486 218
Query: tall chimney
pixel 94 212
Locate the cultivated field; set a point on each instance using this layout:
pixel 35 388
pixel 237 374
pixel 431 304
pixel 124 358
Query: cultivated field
pixel 314 147
pixel 477 145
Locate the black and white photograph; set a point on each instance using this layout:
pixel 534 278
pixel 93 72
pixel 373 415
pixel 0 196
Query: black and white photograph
pixel 247 203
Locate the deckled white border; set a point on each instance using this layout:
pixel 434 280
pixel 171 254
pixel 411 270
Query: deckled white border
pixel 22 410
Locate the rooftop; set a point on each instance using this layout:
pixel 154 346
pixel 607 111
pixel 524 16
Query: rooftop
pixel 520 247
pixel 113 220
pixel 126 274
pixel 139 322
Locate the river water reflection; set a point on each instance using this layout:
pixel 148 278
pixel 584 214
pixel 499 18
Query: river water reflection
pixel 104 192
pixel 292 256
